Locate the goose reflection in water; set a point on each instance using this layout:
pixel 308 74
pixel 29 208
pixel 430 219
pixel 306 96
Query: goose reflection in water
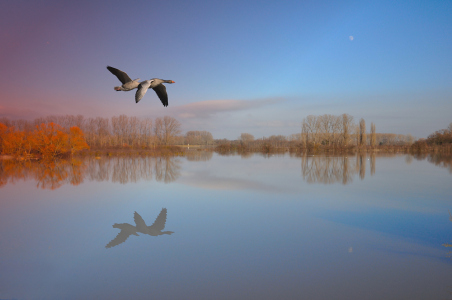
pixel 140 227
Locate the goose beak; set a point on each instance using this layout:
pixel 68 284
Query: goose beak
pixel 173 81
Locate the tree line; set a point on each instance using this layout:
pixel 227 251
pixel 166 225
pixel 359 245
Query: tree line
pixel 46 140
pixel 121 130
pixel 440 140
pixel 341 130
pixel 130 131
pixel 323 131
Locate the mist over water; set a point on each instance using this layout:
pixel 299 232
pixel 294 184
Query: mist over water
pixel 207 226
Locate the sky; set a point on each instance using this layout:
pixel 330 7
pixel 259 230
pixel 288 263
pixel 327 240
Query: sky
pixel 258 67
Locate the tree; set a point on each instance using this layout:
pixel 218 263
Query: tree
pixel 198 137
pixel 76 140
pixel 15 142
pixel 246 138
pixel 309 129
pixel 3 129
pixel 166 129
pixel 362 133
pixel 50 140
pixel 373 135
pixel 347 125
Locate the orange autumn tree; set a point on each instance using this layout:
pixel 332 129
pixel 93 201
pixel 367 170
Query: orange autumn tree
pixel 14 142
pixel 76 140
pixel 50 140
pixel 3 129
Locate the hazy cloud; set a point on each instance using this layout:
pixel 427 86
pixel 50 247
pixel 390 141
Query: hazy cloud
pixel 206 109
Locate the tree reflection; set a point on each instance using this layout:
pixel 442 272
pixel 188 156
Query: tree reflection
pixel 140 227
pixel 167 169
pixel 328 169
pixel 52 174
pixel 48 174
pixel 198 155
pixel 438 159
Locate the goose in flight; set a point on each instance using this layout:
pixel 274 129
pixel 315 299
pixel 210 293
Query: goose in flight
pixel 140 227
pixel 127 83
pixel 157 85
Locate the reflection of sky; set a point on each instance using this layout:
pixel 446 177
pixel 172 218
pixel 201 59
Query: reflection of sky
pixel 366 240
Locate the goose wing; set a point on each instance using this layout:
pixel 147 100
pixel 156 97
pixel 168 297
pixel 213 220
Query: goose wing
pixel 122 76
pixel 159 223
pixel 142 89
pixel 160 90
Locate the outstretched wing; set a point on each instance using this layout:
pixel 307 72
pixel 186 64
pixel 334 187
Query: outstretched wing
pixel 142 89
pixel 122 76
pixel 160 90
pixel 159 223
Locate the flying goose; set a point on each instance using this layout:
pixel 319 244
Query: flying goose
pixel 129 84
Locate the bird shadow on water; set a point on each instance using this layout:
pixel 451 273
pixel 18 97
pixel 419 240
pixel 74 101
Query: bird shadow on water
pixel 449 254
pixel 140 227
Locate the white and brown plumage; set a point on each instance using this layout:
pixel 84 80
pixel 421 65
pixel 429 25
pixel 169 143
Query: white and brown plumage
pixel 128 84
pixel 157 85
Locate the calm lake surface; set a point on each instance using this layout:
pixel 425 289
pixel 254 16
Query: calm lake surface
pixel 227 227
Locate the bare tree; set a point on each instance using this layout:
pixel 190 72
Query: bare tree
pixel 310 129
pixel 346 130
pixel 246 138
pixel 362 133
pixel 373 135
pixel 166 129
pixel 198 137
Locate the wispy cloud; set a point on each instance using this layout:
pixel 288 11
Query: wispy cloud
pixel 206 109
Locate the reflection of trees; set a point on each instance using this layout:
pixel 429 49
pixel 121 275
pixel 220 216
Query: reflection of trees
pixel 55 173
pixel 48 174
pixel 373 160
pixel 52 174
pixel 333 169
pixel 198 155
pixel 132 169
pixel 361 163
pixel 245 155
pixel 441 160
pixel 140 227
pixel 438 159
pixel 167 169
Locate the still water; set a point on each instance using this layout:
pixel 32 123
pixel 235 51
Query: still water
pixel 207 226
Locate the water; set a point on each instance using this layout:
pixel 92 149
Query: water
pixel 242 227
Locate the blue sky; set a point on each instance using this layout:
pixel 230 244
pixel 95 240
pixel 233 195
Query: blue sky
pixel 239 66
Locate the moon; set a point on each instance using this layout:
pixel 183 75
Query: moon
pixel 351 38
